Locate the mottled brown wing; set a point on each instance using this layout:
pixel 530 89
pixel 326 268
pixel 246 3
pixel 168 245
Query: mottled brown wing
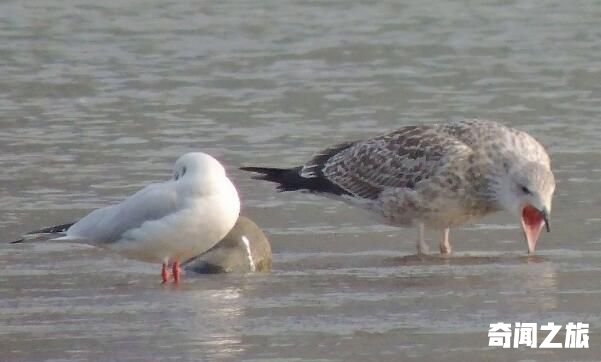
pixel 402 158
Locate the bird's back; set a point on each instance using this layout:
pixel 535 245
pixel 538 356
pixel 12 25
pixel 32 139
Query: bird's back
pixel 196 222
pixel 494 139
pixel 108 224
pixel 174 219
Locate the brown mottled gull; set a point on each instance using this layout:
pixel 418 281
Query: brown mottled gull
pixel 435 176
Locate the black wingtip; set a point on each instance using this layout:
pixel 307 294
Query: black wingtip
pixel 277 175
pixel 53 229
pixel 267 173
pixel 291 180
pixel 57 229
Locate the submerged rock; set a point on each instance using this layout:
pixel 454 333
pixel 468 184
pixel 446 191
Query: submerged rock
pixel 244 249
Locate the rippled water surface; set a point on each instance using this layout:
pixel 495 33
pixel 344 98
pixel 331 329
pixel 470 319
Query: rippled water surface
pixel 98 99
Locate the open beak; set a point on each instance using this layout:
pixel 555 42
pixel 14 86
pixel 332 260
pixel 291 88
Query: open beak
pixel 533 221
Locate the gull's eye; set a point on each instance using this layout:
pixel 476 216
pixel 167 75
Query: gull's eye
pixel 178 174
pixel 526 190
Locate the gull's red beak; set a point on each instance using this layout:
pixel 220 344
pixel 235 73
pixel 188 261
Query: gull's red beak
pixel 533 221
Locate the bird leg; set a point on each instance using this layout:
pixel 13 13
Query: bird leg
pixel 176 272
pixel 165 273
pixel 445 245
pixel 422 247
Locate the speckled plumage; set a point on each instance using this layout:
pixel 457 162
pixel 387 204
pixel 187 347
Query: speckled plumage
pixel 439 176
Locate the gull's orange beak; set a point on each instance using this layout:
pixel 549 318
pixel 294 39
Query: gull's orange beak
pixel 533 221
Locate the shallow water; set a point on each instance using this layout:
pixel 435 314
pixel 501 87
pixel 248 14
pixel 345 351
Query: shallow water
pixel 98 99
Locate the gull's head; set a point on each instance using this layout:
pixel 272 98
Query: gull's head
pixel 197 164
pixel 527 192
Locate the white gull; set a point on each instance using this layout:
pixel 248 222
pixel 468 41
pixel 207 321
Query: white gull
pixel 436 176
pixel 164 222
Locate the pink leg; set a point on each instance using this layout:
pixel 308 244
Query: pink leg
pixel 165 273
pixel 176 272
pixel 445 245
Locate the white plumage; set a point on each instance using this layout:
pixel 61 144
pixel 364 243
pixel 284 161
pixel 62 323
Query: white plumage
pixel 174 220
pixel 165 222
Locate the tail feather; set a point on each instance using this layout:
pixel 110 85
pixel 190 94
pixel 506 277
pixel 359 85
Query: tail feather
pixel 57 229
pixel 291 180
